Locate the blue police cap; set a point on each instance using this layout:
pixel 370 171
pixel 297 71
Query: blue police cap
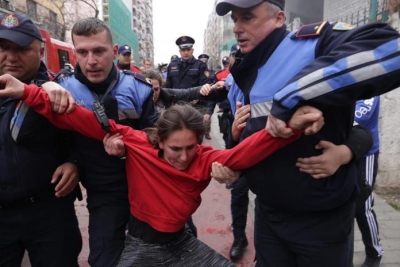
pixel 123 49
pixel 224 6
pixel 184 42
pixel 19 29
pixel 225 60
pixel 235 48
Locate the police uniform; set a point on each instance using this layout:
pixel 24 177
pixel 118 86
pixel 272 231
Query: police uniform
pixel 205 58
pixel 330 65
pixel 126 49
pixel 160 69
pixel 32 218
pixel 182 75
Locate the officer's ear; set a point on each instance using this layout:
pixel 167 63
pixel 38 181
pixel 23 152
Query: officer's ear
pixel 280 18
pixel 115 50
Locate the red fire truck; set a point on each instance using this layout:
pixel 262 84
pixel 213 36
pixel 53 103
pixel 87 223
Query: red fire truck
pixel 57 54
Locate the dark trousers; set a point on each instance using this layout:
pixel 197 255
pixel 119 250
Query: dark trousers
pixel 365 215
pixel 239 206
pixel 108 217
pixel 224 122
pixel 47 228
pixel 311 239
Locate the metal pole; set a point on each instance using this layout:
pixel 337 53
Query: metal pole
pixel 373 11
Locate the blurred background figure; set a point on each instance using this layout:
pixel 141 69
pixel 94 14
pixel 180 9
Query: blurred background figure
pixel 124 58
pixel 148 64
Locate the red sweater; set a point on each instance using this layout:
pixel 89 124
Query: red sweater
pixel 222 74
pixel 159 194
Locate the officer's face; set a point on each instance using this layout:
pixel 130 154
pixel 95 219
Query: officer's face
pixel 95 55
pixel 186 53
pixel 255 24
pixel 21 62
pixel 180 148
pixel 124 59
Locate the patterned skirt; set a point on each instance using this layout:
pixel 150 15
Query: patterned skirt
pixel 186 251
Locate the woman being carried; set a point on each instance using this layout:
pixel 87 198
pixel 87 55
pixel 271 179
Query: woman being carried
pixel 167 171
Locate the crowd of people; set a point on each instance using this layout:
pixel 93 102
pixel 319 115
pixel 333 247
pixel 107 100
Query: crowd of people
pixel 292 102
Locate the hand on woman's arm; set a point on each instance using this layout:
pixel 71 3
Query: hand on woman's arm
pixel 223 175
pixel 114 145
pixel 61 99
pixel 305 118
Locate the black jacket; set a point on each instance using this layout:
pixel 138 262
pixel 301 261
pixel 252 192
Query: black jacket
pixel 28 161
pixel 195 73
pixel 276 180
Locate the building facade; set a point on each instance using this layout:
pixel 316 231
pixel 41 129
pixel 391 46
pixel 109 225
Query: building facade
pixel 46 14
pixel 218 38
pixel 131 22
pixel 142 12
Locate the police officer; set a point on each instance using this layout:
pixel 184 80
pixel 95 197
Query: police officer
pixel 174 57
pixel 210 105
pixel 127 99
pixel 226 119
pixel 162 68
pixel 299 220
pixel 205 58
pixel 36 204
pixel 124 59
pixel 186 72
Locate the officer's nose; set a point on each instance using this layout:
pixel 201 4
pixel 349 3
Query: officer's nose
pixel 92 60
pixel 12 55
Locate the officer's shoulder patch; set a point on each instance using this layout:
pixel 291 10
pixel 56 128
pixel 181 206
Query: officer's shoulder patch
pixel 138 77
pixel 63 74
pixel 207 73
pixel 311 30
pixel 343 26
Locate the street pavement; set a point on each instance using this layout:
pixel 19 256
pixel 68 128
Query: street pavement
pixel 213 221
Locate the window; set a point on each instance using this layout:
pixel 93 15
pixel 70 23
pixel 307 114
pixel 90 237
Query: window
pixel 31 9
pixel 63 57
pixel 53 22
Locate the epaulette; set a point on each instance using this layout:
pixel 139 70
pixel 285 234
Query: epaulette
pixel 343 26
pixel 311 30
pixel 138 76
pixel 62 73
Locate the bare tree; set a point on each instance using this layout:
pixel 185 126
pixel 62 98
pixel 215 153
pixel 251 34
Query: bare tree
pixel 72 10
pixel 92 4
